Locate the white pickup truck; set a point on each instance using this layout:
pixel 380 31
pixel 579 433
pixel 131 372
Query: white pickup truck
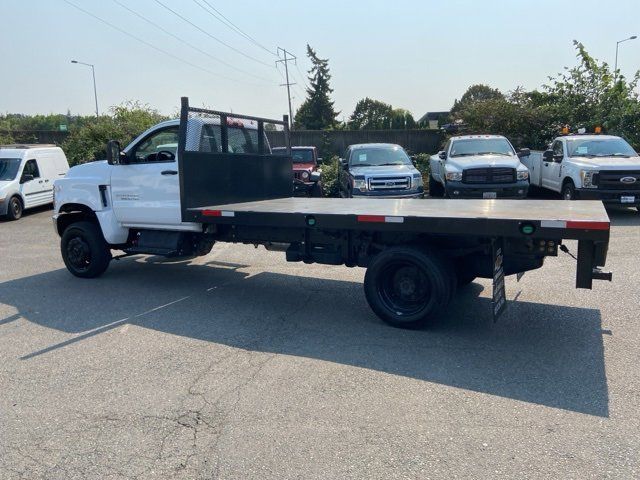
pixel 588 167
pixel 478 166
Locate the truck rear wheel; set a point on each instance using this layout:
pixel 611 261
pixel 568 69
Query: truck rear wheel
pixel 84 250
pixel 406 287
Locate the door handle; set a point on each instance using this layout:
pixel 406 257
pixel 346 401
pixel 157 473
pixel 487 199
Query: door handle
pixel 169 172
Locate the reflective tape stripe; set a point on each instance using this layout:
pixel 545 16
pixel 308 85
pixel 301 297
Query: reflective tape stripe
pixel 589 225
pixel 553 224
pixel 379 219
pixel 575 224
pixel 218 213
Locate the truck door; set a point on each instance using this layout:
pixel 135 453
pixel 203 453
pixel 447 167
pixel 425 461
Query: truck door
pixel 146 191
pixel 552 171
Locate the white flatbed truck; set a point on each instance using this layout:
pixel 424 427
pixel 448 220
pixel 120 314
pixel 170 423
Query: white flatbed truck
pixel 416 252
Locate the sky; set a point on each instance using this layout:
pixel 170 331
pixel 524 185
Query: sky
pixel 418 55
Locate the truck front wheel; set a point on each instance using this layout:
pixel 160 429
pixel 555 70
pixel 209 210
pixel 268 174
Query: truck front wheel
pixel 406 287
pixel 569 191
pixel 84 250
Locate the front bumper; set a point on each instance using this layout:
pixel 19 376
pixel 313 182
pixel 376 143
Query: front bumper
pixel 416 193
pixel 502 190
pixel 4 206
pixel 612 197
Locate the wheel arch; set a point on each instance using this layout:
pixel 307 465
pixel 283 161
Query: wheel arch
pixel 74 212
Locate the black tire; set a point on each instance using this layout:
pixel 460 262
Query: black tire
pixel 407 287
pixel 435 188
pixel 569 191
pixel 15 208
pixel 84 250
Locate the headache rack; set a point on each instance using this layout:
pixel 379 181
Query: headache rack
pixel 213 172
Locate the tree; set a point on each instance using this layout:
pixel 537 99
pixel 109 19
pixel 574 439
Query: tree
pixel 370 114
pixel 401 119
pixel 474 94
pixel 317 112
pixel 87 143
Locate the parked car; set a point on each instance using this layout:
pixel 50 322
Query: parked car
pixel 306 172
pixel 589 167
pixel 478 166
pixel 27 173
pixel 379 170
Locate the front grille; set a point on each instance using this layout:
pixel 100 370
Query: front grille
pixel 389 183
pixel 610 179
pixel 489 175
pixel 297 175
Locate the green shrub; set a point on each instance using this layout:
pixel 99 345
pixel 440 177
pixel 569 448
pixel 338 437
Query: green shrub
pixel 330 171
pixel 421 161
pixel 87 143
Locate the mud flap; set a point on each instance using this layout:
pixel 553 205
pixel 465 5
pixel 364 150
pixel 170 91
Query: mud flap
pixel 499 300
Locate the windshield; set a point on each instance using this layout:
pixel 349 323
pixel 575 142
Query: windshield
pixel 9 168
pixel 392 155
pixel 297 155
pixel 481 146
pixel 601 147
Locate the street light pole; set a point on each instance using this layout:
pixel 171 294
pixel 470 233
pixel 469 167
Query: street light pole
pixel 615 68
pixel 93 72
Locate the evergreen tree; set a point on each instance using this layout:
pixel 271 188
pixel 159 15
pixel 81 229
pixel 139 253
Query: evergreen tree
pixel 317 112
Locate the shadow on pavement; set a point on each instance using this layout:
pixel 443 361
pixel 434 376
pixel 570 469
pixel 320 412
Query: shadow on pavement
pixel 538 353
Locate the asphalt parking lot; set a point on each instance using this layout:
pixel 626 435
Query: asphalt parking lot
pixel 240 365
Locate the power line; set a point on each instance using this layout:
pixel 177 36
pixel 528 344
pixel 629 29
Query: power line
pixel 304 77
pixel 166 31
pixel 221 18
pixel 150 45
pixel 287 58
pixel 211 36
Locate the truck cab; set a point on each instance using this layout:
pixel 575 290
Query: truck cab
pixel 142 190
pixel 379 170
pixel 478 166
pixel 589 167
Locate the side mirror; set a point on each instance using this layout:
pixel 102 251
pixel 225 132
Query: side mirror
pixel 524 152
pixel 319 160
pixel 314 177
pixel 547 156
pixel 26 177
pixel 113 152
pixel 442 154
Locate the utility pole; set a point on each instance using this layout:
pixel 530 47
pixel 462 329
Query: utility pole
pixel 287 58
pixel 93 72
pixel 615 68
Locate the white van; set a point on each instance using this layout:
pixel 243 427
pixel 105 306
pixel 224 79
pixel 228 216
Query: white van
pixel 27 173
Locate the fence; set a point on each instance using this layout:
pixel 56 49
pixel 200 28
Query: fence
pixel 329 141
pixel 336 141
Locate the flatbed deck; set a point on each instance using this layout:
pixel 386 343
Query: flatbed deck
pixel 550 218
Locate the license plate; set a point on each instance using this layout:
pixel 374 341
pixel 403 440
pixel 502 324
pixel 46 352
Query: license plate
pixel 489 195
pixel 630 199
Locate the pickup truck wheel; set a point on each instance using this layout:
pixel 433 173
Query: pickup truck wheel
pixel 569 191
pixel 407 286
pixel 435 188
pixel 84 250
pixel 14 209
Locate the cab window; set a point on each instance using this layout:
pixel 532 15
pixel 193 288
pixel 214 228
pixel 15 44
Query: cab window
pixel 557 148
pixel 159 146
pixel 31 168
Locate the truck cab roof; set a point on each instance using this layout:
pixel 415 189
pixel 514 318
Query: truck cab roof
pixel 475 137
